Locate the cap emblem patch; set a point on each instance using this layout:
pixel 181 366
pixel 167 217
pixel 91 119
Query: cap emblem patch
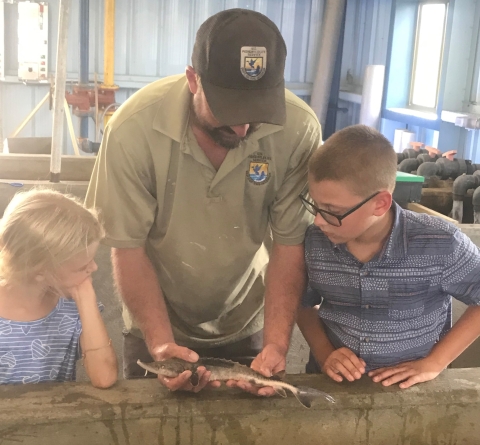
pixel 253 60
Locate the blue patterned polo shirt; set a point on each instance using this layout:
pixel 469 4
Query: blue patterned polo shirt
pixel 395 307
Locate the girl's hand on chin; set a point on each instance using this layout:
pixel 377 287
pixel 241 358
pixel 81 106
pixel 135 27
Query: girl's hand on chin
pixel 82 290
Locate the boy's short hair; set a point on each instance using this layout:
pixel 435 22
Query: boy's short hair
pixel 358 155
pixel 40 230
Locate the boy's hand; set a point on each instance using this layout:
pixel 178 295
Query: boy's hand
pixel 409 373
pixel 343 362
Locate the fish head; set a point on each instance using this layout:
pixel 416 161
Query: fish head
pixel 171 367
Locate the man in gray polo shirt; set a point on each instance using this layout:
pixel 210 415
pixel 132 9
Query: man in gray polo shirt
pixel 197 181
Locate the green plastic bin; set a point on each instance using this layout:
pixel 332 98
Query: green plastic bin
pixel 408 188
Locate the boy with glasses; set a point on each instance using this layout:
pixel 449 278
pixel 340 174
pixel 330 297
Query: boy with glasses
pixel 380 278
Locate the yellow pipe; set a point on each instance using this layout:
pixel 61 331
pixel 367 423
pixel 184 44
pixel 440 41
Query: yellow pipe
pixel 109 44
pixel 109 51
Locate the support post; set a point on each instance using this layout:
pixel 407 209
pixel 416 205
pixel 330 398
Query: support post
pixel 59 94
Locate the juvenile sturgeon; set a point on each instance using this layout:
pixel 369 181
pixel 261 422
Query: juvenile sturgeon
pixel 224 370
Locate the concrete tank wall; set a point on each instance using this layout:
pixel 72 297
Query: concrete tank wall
pixel 443 411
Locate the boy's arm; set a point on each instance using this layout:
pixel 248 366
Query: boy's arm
pixel 99 360
pixel 462 335
pixel 333 362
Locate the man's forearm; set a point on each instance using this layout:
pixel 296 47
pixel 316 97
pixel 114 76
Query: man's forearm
pixel 285 282
pixel 137 283
pixel 463 333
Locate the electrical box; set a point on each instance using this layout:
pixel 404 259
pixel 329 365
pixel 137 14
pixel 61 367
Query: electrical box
pixel 33 41
pixel 2 43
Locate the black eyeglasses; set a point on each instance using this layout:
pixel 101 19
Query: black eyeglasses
pixel 329 217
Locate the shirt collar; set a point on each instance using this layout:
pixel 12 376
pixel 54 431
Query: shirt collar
pixel 396 245
pixel 172 114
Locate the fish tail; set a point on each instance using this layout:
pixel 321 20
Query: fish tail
pixel 281 392
pixel 307 395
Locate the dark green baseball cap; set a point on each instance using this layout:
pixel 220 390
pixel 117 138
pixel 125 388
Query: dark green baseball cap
pixel 239 55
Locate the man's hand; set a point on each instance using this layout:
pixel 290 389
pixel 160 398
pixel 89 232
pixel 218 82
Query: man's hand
pixel 409 373
pixel 182 382
pixel 343 362
pixel 269 362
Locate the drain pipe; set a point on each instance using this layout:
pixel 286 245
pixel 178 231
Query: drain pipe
pixel 59 93
pixel 447 167
pixel 432 156
pixel 411 153
pixel 331 26
pixel 460 187
pixel 415 150
pixel 476 206
pixel 84 54
pixel 408 165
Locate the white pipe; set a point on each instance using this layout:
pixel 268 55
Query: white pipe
pixel 70 127
pixel 59 94
pixel 331 25
pixel 32 113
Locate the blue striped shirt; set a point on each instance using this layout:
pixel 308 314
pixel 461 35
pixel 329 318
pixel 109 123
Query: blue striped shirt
pixel 43 350
pixel 395 307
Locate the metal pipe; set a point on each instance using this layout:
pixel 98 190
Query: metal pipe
pixel 84 55
pixel 30 115
pixel 108 51
pixel 109 44
pixel 331 25
pixel 70 128
pixel 59 93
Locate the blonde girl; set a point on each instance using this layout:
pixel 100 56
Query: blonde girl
pixel 49 316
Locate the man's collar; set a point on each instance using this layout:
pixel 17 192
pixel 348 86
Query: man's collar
pixel 172 114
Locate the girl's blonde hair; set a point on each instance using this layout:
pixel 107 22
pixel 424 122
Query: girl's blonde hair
pixel 40 230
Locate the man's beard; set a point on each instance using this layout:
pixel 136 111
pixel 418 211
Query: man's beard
pixel 224 135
